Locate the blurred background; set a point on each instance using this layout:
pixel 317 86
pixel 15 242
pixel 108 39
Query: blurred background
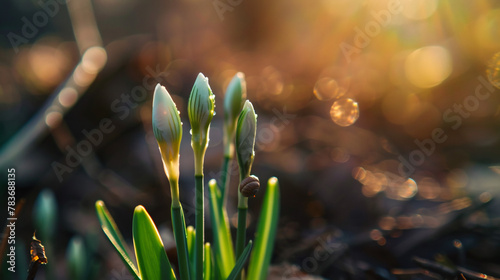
pixel 380 118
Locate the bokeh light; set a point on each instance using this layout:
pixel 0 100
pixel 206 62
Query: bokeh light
pixel 387 223
pixel 493 71
pixel 486 32
pixel 45 65
pixel 419 9
pixel 373 182
pixel 359 173
pixel 327 88
pixel 375 234
pixel 340 155
pixel 428 188
pixel 94 59
pixel 68 96
pixel 428 66
pixel 272 81
pixel 344 112
pixel 485 197
pixel 53 118
pixel 408 189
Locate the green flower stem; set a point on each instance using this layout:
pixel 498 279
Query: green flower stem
pixel 200 227
pixel 174 192
pixel 225 176
pixel 201 111
pixel 241 233
pixel 242 220
pixel 180 241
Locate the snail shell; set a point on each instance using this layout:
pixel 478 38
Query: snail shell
pixel 249 186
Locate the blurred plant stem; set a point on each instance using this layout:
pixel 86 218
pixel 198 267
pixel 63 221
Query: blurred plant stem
pixel 225 177
pixel 93 59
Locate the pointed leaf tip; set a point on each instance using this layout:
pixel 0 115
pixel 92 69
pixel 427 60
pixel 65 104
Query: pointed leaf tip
pixel 150 253
pixel 266 232
pixel 114 235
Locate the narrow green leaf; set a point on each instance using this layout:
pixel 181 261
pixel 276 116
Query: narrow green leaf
pixel 240 263
pixel 207 264
pixel 151 257
pixel 109 227
pixel 190 237
pixel 266 233
pixel 223 244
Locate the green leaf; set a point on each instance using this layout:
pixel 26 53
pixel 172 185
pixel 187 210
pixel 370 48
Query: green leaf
pixel 151 257
pixel 208 270
pixel 266 233
pixel 190 237
pixel 109 227
pixel 77 258
pixel 45 214
pixel 223 245
pixel 241 262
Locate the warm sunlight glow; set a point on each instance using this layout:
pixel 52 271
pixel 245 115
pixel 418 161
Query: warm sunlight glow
pixel 493 71
pixel 419 9
pixel 428 66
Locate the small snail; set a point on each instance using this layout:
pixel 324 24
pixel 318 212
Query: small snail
pixel 250 186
